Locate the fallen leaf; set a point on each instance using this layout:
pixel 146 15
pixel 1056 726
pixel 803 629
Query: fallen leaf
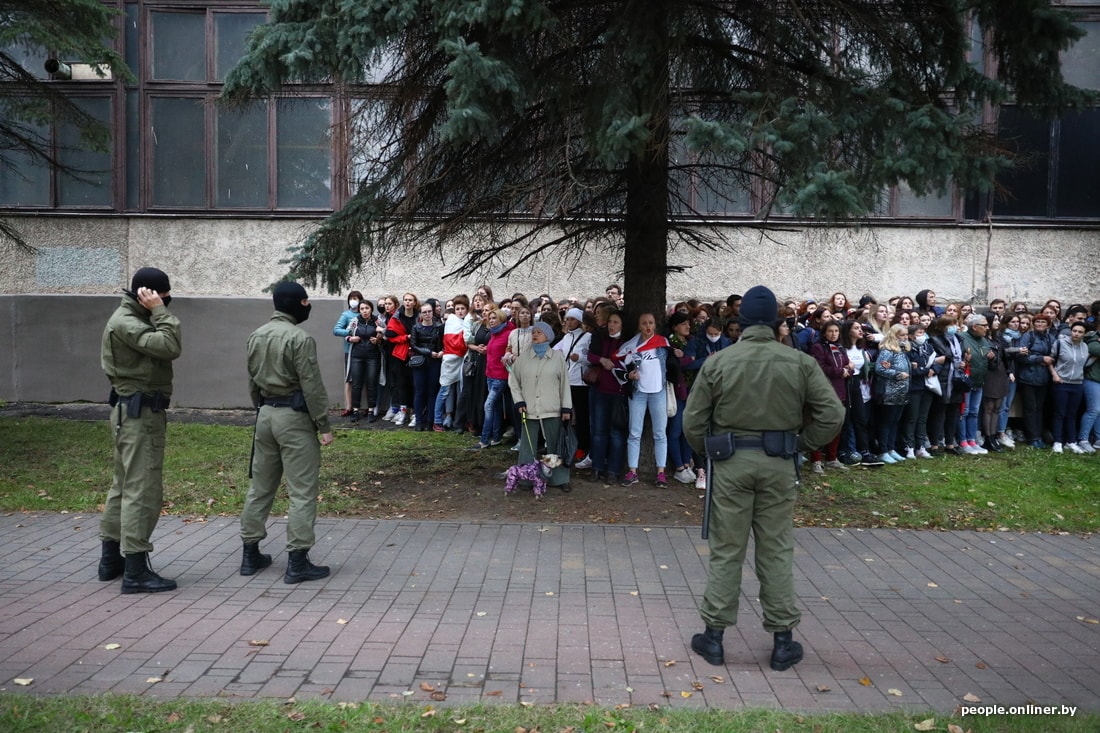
pixel 670 663
pixel 894 691
pixel 215 719
pixel 1088 620
pixel 154 680
pixel 865 681
pixel 259 642
pixel 824 688
pixel 717 680
pixel 113 646
pixel 633 592
pixel 459 721
pixel 348 705
pixel 942 659
pixel 379 721
pixel 980 665
pixel 438 695
pixel 697 684
pixel 929 724
pixel 429 713
pixel 933 585
pixel 406 693
pixel 663 567
pixel 549 592
pixel 952 728
pixel 494 693
pixel 23 681
pixel 427 687
pixel 526 704
pixel 296 715
pixel 482 613
pixel 630 689
pixel 971 697
pixel 173 718
pixel 341 621
pixel 685 694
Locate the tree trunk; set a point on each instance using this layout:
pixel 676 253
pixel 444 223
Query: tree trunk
pixel 645 255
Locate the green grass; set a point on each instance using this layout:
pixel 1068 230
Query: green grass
pixel 112 714
pixel 64 465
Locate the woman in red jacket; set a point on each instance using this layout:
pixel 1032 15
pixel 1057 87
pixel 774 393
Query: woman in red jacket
pixel 497 377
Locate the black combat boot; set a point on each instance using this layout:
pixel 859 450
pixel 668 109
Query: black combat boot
pixel 786 652
pixel 140 578
pixel 299 568
pixel 111 562
pixel 708 645
pixel 253 561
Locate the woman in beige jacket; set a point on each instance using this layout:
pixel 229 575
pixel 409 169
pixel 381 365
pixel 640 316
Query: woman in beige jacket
pixel 539 382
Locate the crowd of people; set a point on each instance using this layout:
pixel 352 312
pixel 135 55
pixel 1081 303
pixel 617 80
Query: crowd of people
pixel 917 378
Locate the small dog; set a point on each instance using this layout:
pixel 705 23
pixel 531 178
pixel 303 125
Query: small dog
pixel 536 472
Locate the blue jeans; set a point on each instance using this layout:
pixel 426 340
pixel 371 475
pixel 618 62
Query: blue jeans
pixel 494 416
pixel 678 449
pixel 1067 400
pixel 1006 407
pixel 972 409
pixel 608 442
pixel 441 402
pixel 1091 420
pixel 425 384
pixel 654 404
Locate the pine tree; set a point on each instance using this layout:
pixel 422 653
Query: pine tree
pixel 567 126
pixel 75 30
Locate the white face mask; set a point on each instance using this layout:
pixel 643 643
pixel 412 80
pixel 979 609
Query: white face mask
pixel 353 304
pixel 713 339
pixel 614 334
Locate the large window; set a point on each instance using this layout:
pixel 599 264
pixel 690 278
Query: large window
pixel 1057 161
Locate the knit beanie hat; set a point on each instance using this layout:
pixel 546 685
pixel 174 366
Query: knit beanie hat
pixel 152 278
pixel 758 308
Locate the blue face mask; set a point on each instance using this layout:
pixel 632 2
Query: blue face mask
pixel 1012 333
pixel 952 330
pixel 540 349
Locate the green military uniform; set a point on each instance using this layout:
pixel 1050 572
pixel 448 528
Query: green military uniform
pixel 282 360
pixel 137 352
pixel 757 385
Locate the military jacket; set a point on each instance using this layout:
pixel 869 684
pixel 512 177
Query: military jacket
pixel 282 359
pixel 138 348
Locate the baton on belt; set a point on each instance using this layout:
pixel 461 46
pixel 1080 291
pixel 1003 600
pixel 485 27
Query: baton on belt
pixel 706 498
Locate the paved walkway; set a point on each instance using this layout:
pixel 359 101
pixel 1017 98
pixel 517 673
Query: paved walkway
pixel 502 612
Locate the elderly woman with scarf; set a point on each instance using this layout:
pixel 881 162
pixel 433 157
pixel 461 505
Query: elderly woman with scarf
pixel 978 351
pixel 646 359
pixel 539 382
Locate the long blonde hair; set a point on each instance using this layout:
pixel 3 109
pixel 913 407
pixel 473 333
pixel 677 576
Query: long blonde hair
pixel 890 340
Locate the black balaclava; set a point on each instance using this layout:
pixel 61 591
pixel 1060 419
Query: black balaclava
pixel 758 308
pixel 154 279
pixel 288 299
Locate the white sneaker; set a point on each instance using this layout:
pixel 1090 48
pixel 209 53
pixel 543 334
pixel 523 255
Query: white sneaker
pixel 389 416
pixel 1086 447
pixel 922 453
pixel 412 421
pixel 818 467
pixel 836 464
pixel 968 449
pixel 701 480
pixel 684 476
pixel 1006 440
pixel 978 450
pixel 585 463
pixel 1075 448
pixel 910 453
pixel 399 418
pixel 1057 448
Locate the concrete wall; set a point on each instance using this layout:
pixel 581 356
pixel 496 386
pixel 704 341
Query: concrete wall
pixel 54 301
pixel 49 349
pixel 240 257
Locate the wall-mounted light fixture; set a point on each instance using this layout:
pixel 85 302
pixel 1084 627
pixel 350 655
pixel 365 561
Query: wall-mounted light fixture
pixel 69 71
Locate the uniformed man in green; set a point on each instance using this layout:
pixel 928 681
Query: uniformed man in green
pixel 140 341
pixel 774 401
pixel 286 388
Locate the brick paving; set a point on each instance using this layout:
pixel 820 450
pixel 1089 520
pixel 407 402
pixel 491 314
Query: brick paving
pixel 569 613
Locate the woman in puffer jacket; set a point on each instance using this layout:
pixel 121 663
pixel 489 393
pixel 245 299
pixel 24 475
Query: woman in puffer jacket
pixel 891 389
pixel 833 359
